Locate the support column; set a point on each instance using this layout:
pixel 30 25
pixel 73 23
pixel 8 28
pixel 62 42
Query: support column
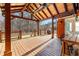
pixel 7 30
pixel 61 28
pixel 20 34
pixel 40 31
pixel 52 28
pixel 38 28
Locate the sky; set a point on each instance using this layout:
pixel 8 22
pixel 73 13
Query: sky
pixel 48 21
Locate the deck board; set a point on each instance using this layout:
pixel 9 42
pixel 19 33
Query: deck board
pixel 20 47
pixel 52 49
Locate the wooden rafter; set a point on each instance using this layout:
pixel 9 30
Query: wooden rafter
pixel 38 9
pixel 49 11
pixel 64 14
pixel 35 5
pixel 12 11
pixel 13 6
pixel 75 7
pixel 45 14
pixel 24 7
pixel 30 10
pixel 40 15
pixel 32 7
pixel 56 8
pixel 78 6
pixel 65 6
pixel 37 16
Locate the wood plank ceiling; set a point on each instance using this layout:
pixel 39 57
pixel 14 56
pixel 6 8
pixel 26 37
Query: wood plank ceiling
pixel 42 11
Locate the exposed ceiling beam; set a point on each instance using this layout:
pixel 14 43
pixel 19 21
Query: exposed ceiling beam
pixel 49 11
pixel 37 16
pixel 35 5
pixel 32 7
pixel 38 9
pixel 40 15
pixel 29 9
pixel 55 8
pixel 24 7
pixel 64 14
pixel 75 8
pixel 22 18
pixel 65 6
pixel 13 6
pixel 12 10
pixel 45 14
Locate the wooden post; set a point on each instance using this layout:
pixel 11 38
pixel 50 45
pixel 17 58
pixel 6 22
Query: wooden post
pixel 0 36
pixel 40 31
pixel 34 32
pixel 52 22
pixel 61 28
pixel 20 34
pixel 38 28
pixel 7 30
pixel 52 28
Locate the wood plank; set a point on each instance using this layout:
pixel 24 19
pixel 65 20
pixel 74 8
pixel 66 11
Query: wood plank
pixel 21 47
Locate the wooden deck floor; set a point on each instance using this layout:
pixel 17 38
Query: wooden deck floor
pixel 52 49
pixel 28 46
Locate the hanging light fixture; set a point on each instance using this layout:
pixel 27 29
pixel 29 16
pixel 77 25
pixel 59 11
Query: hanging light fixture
pixel 44 4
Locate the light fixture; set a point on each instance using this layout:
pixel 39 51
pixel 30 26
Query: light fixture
pixel 44 4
